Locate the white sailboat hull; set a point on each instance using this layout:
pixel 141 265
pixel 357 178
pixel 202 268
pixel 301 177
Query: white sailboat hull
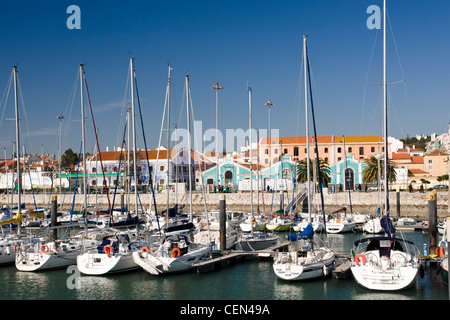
pixel 8 248
pixel 384 274
pixel 156 264
pixel 373 226
pixel 36 259
pixel 288 267
pixel 340 227
pixel 100 263
pixel 317 226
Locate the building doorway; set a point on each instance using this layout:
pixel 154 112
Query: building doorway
pixel 349 179
pixel 228 178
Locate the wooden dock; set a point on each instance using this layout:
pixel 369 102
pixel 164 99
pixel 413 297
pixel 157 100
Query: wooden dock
pixel 228 257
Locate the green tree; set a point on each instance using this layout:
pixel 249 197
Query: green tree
pixel 69 158
pixel 302 175
pixel 370 172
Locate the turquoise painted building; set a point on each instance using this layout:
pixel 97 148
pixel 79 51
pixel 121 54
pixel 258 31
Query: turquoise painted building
pixel 236 174
pixel 347 173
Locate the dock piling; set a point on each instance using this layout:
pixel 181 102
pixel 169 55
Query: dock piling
pixel 54 215
pixel 222 223
pixel 432 221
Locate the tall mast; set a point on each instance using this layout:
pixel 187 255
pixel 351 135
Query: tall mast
pixel 189 145
pixel 83 138
pixel 19 181
pixel 250 145
pixel 133 121
pixel 305 61
pixel 386 153
pixel 168 135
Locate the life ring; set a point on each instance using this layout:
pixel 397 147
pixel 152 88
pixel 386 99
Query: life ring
pixel 440 251
pixel 108 249
pixel 144 249
pixel 363 257
pixel 176 253
pixel 44 248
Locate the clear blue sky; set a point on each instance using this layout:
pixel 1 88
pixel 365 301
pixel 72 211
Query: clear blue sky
pixel 238 43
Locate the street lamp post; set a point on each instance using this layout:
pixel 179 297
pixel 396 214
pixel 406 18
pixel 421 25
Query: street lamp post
pixel 217 87
pixel 60 118
pixel 270 104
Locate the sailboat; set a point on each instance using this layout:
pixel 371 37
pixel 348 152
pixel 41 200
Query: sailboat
pixel 303 260
pixel 252 239
pixel 373 225
pixel 175 253
pixel 385 263
pixel 10 241
pixel 57 253
pixel 341 223
pixel 114 254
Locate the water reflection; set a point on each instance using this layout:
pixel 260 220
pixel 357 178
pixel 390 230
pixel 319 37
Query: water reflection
pixel 97 288
pixel 382 296
pixel 36 285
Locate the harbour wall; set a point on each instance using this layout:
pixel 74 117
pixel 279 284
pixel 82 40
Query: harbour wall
pixel 413 205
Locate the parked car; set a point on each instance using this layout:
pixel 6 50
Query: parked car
pixel 438 187
pixel 118 191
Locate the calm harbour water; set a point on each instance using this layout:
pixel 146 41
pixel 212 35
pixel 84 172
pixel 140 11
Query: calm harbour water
pixel 246 280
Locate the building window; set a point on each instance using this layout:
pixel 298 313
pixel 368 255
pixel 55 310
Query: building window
pixel 361 151
pixel 326 160
pixel 339 159
pixel 350 150
pixel 94 169
pixel 266 161
pixel 266 151
pixel 115 169
pixel 161 168
pixel 161 181
pixel 372 149
pixel 339 150
pixel 296 152
pixel 325 150
pixel 285 151
pixel 276 151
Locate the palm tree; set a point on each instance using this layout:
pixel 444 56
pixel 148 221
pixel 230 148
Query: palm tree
pixel 370 172
pixel 324 171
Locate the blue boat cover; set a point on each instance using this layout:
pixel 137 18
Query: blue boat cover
pixel 307 233
pixel 387 225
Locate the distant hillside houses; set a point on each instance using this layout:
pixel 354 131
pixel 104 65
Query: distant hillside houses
pixel 440 142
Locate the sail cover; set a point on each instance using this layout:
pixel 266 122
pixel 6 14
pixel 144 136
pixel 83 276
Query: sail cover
pixel 307 233
pixel 387 225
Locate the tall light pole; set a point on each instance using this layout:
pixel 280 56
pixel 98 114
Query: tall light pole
pixel 217 87
pixel 60 118
pixel 270 104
